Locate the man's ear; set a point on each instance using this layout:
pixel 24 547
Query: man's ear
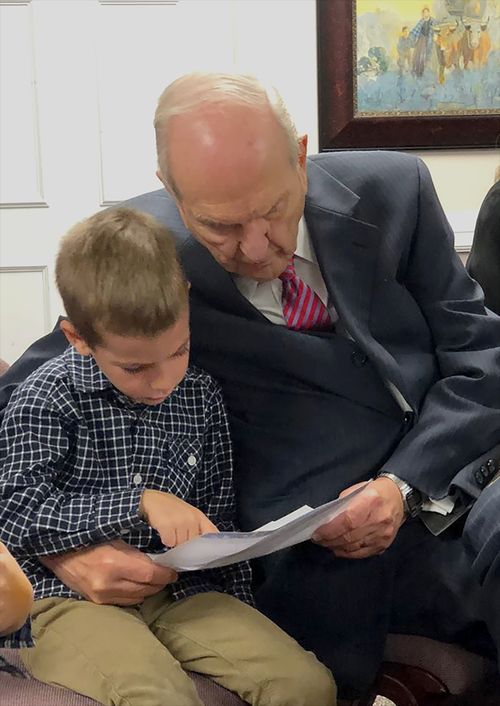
pixel 160 177
pixel 302 150
pixel 166 185
pixel 175 197
pixel 74 337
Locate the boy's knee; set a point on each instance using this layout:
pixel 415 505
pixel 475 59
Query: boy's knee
pixel 305 683
pixel 316 686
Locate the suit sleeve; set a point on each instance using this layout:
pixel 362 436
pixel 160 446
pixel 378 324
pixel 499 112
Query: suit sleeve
pixel 458 426
pixel 482 534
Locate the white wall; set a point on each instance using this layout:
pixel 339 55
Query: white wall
pixel 80 79
pixel 462 178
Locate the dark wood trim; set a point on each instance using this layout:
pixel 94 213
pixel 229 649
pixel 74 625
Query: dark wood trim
pixel 339 129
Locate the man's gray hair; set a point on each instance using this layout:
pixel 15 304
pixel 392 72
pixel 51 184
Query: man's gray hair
pixel 192 90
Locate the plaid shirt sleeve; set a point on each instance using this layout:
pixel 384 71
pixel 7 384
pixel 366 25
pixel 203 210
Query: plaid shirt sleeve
pixel 36 518
pixel 20 638
pixel 217 491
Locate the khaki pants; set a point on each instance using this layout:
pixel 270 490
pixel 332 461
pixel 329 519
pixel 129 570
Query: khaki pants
pixel 137 656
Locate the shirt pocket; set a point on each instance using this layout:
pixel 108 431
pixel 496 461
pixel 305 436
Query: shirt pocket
pixel 183 465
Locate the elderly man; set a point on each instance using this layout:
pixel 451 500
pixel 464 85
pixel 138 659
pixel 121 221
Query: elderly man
pixel 351 345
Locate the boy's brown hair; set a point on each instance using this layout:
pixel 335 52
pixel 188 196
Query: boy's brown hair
pixel 118 272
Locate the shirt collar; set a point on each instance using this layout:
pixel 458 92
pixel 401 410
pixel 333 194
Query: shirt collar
pixel 304 247
pixel 84 372
pixel 304 250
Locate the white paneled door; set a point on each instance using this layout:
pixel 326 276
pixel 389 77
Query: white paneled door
pixel 79 82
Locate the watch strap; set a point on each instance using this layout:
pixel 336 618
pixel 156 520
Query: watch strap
pixel 413 499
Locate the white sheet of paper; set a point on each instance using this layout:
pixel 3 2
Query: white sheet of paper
pixel 274 524
pixel 220 549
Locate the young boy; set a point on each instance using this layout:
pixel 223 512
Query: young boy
pixel 119 438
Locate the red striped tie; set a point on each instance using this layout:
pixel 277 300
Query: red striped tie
pixel 302 307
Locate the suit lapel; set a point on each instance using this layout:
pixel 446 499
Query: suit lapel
pixel 347 249
pixel 347 252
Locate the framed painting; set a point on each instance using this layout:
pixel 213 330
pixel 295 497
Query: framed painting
pixel 403 74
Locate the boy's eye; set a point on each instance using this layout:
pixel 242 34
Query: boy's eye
pixel 132 371
pixel 182 351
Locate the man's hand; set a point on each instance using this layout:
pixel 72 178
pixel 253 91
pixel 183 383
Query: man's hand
pixel 113 573
pixel 370 523
pixel 16 594
pixel 175 520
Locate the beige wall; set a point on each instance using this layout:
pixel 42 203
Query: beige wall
pixel 462 179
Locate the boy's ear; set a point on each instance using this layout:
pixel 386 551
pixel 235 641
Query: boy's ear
pixel 74 337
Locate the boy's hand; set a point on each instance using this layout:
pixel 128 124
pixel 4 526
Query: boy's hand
pixel 175 520
pixel 113 573
pixel 16 594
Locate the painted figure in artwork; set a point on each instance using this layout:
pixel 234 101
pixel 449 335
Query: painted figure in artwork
pixel 404 49
pixel 422 39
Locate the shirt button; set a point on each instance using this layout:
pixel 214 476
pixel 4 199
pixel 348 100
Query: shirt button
pixel 408 418
pixel 359 358
pixel 191 460
pixel 137 479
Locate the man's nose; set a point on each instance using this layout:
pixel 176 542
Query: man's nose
pixel 255 241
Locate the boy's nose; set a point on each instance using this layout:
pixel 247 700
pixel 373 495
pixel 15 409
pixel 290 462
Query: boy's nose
pixel 162 382
pixel 161 388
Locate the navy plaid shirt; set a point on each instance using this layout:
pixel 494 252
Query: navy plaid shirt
pixel 76 455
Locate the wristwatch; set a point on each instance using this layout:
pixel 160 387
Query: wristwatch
pixel 413 499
